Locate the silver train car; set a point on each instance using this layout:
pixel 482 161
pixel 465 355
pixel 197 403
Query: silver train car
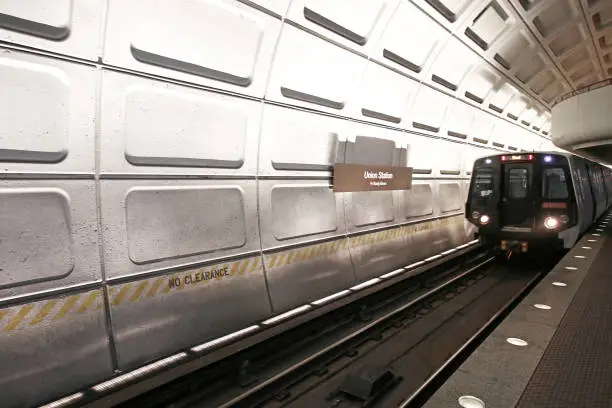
pixel 152 200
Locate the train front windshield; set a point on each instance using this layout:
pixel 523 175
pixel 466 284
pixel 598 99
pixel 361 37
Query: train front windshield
pixel 554 185
pixel 483 183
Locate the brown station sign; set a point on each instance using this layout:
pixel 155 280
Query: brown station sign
pixel 358 177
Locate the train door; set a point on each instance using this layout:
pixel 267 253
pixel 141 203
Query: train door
pixel 517 201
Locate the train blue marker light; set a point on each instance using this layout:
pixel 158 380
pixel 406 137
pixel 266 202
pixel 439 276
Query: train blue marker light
pixel 547 159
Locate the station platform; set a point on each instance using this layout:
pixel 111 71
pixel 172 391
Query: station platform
pixel 554 350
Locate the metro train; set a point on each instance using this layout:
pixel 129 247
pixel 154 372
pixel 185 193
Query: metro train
pixel 537 200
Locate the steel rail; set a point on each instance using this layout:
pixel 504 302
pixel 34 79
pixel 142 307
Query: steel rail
pixel 339 343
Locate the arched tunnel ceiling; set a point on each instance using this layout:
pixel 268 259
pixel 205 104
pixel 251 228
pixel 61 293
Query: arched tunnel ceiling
pixel 456 69
pixel 547 47
pixel 532 52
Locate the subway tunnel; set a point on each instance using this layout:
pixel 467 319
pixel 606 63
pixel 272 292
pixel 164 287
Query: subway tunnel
pixel 166 166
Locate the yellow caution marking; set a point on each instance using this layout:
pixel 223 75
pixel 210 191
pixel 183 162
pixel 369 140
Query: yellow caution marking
pixel 68 305
pixel 172 278
pixel 122 293
pixel 138 292
pixel 256 265
pixel 18 318
pixel 272 260
pixel 43 312
pixel 155 287
pixel 89 301
pixel 244 264
pixel 235 268
pixel 220 276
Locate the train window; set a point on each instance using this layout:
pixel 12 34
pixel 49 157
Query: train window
pixel 483 186
pixel 517 183
pixel 554 186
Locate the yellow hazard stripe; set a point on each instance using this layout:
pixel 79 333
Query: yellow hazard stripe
pixel 328 249
pixel 160 286
pixel 42 312
pixel 45 311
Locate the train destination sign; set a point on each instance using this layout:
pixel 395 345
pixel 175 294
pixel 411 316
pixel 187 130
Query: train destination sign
pixel 359 177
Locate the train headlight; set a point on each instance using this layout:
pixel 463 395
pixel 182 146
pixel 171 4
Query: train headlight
pixel 475 215
pixel 484 219
pixel 551 223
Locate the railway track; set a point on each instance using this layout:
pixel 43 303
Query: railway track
pixel 402 357
pixel 327 361
pixel 287 369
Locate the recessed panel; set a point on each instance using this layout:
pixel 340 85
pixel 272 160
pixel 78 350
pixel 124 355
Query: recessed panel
pixel 172 129
pixel 51 22
pixel 527 116
pixel 150 126
pixel 371 150
pixel 384 94
pixel 318 269
pixel 350 20
pixel 603 18
pixel 152 225
pixel 65 26
pixel 419 154
pixel 488 25
pixel 517 106
pixel 180 22
pixel 297 141
pixel 449 196
pixel 308 215
pixel 581 72
pixel 576 58
pixel 73 327
pixel 449 9
pixel 449 158
pixel 60 96
pixel 181 221
pixel 452 64
pixel 553 91
pixel 276 6
pixel 557 15
pixel 529 68
pixel 479 83
pixel 418 201
pixel 35 235
pixel 313 73
pixel 46 114
pixel 225 45
pixel 512 50
pixel 482 128
pixel 48 235
pixel 160 315
pixel 29 88
pixel 428 109
pixel 566 40
pixel 504 133
pixel 410 38
pixel 501 97
pixel 459 119
pixel 299 210
pixel 372 207
pixel 542 82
